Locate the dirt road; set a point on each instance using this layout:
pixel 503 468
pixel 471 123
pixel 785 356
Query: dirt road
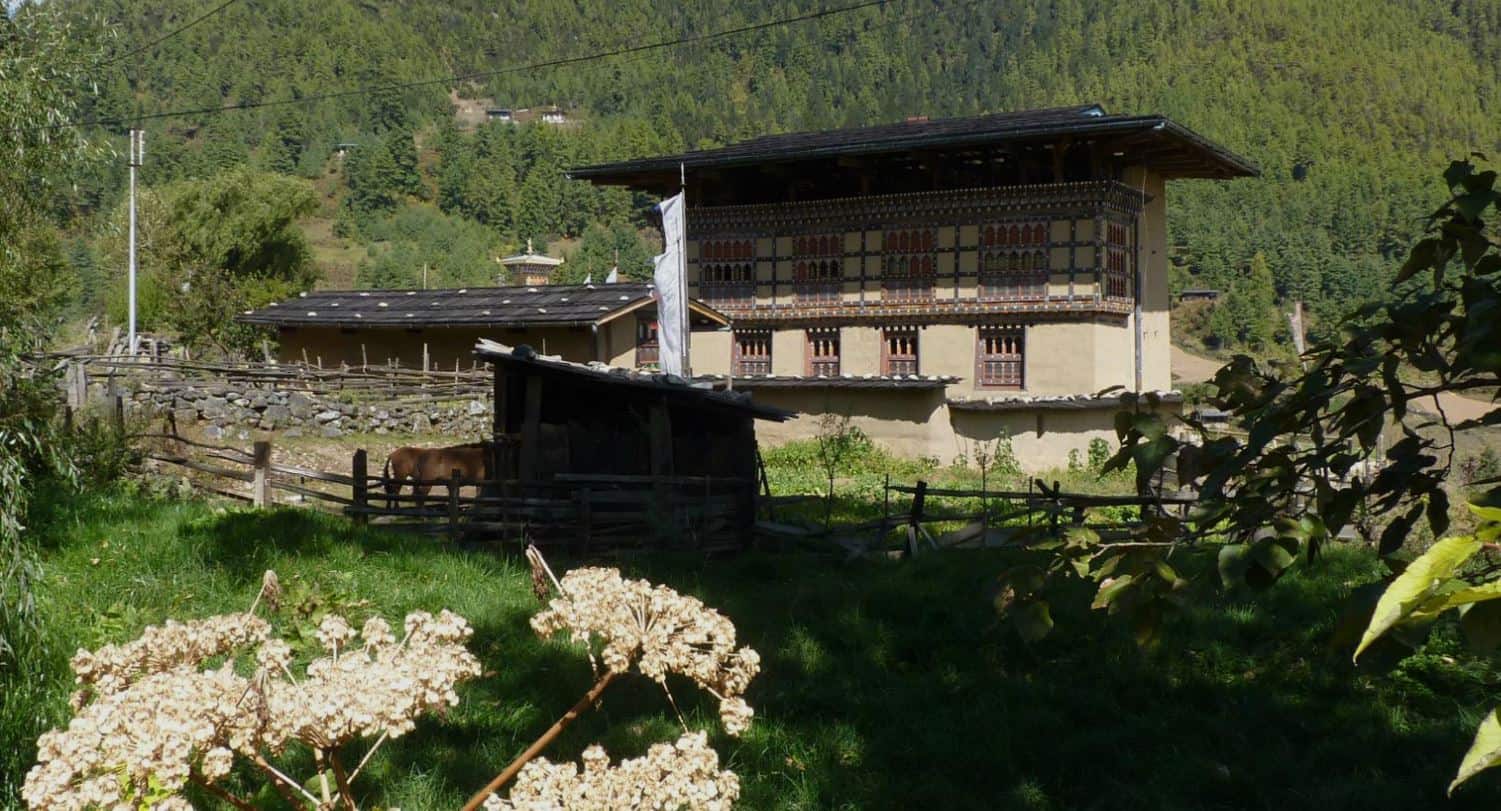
pixel 1190 368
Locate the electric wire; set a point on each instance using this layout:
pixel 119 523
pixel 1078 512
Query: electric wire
pixel 114 60
pixel 461 77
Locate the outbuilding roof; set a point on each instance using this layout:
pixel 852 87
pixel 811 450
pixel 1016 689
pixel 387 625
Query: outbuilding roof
pixel 1172 149
pixel 674 388
pixel 554 305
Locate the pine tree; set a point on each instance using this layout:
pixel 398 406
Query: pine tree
pixel 1247 317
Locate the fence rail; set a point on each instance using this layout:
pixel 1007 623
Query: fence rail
pixel 588 513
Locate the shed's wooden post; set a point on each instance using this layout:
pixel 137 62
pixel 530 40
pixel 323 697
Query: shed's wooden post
pixel 360 494
pixel 261 485
pixel 586 518
pixel 661 440
pixel 453 504
pixel 661 459
pixel 531 427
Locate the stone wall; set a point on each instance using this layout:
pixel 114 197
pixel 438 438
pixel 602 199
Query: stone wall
pixel 230 409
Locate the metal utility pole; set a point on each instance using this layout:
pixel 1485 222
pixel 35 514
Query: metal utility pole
pixel 137 152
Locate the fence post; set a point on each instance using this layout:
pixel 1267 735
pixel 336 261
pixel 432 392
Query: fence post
pixel 914 518
pixel 119 414
pixel 360 495
pixel 453 504
pixel 261 485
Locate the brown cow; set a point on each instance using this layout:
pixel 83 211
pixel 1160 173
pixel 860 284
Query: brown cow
pixel 426 465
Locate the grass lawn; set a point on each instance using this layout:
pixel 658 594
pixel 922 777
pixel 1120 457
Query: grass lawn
pixel 884 685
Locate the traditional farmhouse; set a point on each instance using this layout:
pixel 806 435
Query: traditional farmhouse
pixel 939 281
pixel 610 323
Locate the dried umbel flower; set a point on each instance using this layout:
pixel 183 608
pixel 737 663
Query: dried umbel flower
pixel 672 776
pixel 147 737
pixel 657 631
pixel 271 589
pixel 378 689
pixel 166 647
pixel 151 718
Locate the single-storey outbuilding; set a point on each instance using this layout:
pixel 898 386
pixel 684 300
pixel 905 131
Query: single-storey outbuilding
pixel 638 454
pixel 609 323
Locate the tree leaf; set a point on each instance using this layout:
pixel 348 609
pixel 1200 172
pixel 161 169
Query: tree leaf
pixel 1033 620
pixel 1423 256
pixel 1110 589
pixel 1484 753
pixel 1233 561
pixel 1484 592
pixel 1481 625
pixel 1272 556
pixel 1416 584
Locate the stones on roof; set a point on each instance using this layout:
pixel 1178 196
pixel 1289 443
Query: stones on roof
pixel 844 381
pixel 547 305
pixel 1056 402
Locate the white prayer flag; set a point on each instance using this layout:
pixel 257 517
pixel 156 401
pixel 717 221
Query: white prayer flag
pixel 614 275
pixel 589 278
pixel 672 301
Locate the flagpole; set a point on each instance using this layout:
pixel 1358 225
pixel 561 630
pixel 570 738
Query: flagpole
pixel 683 274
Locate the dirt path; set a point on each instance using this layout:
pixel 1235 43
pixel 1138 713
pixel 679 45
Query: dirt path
pixel 1456 408
pixel 1191 368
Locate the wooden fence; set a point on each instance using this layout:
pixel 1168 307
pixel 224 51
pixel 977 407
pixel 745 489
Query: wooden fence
pixel 584 513
pixel 1006 516
pixel 983 518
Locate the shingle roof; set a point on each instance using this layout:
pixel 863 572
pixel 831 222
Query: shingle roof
pixel 542 305
pixel 1195 155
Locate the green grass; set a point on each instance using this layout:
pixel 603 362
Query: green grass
pixel 794 468
pixel 885 685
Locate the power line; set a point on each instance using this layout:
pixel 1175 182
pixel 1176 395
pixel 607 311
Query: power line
pixel 170 34
pixel 448 80
pixel 952 7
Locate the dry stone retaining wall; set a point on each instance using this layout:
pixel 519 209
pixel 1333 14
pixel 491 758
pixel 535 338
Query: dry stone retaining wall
pixel 225 409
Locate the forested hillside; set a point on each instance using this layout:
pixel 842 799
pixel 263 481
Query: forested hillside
pixel 1347 105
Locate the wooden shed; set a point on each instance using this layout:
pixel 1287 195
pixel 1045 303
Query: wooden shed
pixel 633 450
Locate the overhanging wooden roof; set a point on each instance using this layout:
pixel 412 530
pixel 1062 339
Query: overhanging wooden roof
pixel 552 305
pixel 675 390
pixel 1170 148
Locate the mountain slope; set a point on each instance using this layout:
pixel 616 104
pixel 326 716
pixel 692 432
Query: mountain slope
pixel 1364 101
